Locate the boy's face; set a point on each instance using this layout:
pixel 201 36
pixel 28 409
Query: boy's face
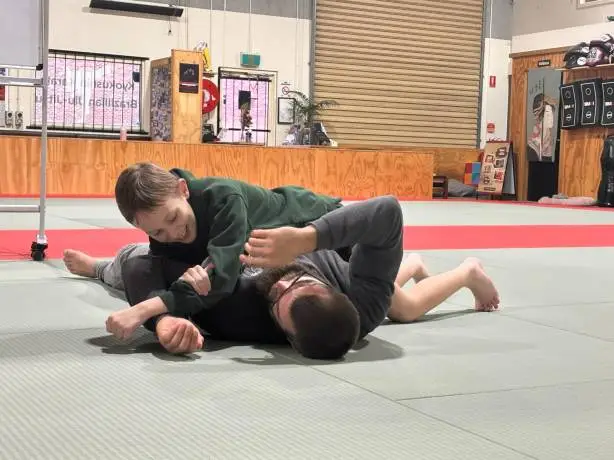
pixel 171 222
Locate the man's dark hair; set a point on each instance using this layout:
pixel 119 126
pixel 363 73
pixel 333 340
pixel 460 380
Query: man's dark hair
pixel 143 187
pixel 327 327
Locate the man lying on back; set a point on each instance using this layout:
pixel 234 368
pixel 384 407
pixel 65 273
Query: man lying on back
pixel 306 294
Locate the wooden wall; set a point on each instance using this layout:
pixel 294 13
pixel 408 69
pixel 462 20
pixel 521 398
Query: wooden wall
pixel 186 107
pixel 580 149
pixel 580 167
pixel 521 63
pixel 448 162
pixel 91 166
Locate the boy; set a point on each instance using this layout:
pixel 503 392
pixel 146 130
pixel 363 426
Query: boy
pixel 201 222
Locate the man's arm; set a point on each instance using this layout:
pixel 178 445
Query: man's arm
pixel 228 234
pixel 374 227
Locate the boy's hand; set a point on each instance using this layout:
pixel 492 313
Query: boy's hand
pixel 198 278
pixel 123 323
pixel 279 246
pixel 178 335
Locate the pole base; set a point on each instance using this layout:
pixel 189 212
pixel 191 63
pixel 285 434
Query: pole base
pixel 37 251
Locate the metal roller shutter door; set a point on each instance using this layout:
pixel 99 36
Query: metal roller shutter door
pixel 405 72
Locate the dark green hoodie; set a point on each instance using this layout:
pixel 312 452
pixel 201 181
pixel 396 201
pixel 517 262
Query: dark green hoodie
pixel 227 210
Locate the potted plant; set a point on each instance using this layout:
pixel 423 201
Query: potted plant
pixel 308 110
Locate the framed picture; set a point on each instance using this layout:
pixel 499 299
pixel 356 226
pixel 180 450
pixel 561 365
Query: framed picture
pixel 285 111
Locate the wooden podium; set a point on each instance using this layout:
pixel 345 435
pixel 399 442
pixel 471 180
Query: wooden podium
pixel 176 97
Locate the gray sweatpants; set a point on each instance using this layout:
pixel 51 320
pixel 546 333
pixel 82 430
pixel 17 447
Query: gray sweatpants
pixel 110 271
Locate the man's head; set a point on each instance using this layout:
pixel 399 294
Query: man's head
pixel 156 201
pixel 320 322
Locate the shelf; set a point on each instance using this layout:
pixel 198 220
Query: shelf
pixel 597 67
pixel 17 81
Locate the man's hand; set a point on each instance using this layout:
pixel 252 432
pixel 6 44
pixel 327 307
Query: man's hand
pixel 278 246
pixel 123 323
pixel 198 278
pixel 178 335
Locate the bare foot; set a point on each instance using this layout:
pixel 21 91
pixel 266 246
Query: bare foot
pixel 482 287
pixel 412 267
pixel 79 263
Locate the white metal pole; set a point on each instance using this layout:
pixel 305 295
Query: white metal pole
pixel 41 237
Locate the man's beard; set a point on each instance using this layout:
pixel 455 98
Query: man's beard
pixel 267 279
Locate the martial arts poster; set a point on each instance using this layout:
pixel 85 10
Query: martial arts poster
pixel 494 165
pixel 542 113
pixel 188 78
pixel 160 125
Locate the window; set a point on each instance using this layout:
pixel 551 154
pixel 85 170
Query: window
pixel 91 92
pixel 588 3
pixel 237 89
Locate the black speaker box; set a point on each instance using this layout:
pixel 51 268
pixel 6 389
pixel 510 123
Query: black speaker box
pixel 570 106
pixel 607 110
pixel 591 96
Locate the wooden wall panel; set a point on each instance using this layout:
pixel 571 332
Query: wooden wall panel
pixel 448 162
pixel 580 149
pixel 580 167
pixel 90 167
pixel 521 63
pixel 187 107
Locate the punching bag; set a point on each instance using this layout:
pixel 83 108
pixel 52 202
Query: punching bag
pixel 605 194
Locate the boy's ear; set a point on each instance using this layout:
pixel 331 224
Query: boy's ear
pixel 183 188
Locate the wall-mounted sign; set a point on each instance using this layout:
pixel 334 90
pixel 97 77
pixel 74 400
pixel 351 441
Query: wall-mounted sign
pixel 544 63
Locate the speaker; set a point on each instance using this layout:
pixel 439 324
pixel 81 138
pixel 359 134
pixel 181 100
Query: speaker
pixel 245 97
pixel 607 110
pixel 591 96
pixel 8 119
pixel 570 106
pixel 18 119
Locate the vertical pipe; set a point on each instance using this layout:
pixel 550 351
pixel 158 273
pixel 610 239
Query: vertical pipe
pixel 297 80
pixel 249 29
pixel 312 51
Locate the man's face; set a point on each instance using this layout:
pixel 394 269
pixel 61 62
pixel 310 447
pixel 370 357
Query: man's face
pixel 171 222
pixel 286 284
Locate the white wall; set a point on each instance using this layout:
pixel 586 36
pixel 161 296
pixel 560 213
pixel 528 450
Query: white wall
pixel 283 43
pixel 495 100
pixel 560 37
pixel 532 16
pixel 542 24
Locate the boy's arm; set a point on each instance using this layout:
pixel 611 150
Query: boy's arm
pixel 228 233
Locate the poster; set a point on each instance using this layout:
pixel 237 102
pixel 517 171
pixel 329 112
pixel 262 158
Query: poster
pixel 160 103
pixel 188 78
pixel 494 165
pixel 542 113
pixel 90 93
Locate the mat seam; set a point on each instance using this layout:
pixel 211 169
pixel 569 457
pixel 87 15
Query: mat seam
pixel 507 390
pixel 580 334
pixel 465 430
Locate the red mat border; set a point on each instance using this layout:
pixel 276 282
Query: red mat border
pixel 104 242
pixel 351 198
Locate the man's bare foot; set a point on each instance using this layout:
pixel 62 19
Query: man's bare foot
pixel 79 263
pixel 482 287
pixel 412 267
